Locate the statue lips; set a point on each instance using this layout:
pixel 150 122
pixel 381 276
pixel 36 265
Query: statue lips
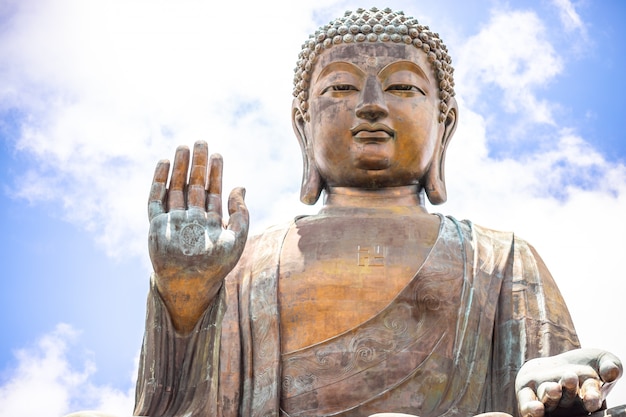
pixel 373 145
pixel 366 133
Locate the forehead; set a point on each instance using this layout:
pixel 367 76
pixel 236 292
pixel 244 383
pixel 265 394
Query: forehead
pixel 372 56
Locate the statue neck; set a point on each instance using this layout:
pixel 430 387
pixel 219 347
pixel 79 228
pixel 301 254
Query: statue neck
pixel 404 196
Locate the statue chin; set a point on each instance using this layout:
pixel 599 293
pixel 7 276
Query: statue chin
pixel 373 157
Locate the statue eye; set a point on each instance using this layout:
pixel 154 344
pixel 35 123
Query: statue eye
pixel 343 87
pixel 408 88
pixel 339 88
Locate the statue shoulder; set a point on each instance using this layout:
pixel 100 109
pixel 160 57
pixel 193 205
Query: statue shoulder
pixel 500 236
pixel 491 243
pixel 272 236
pixel 477 233
pixel 260 245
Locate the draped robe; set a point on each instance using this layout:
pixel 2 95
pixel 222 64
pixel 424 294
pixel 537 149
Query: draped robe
pixel 409 357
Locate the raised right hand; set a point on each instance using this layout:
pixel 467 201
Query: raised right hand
pixel 190 248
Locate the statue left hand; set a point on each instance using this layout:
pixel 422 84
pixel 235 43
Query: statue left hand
pixel 569 384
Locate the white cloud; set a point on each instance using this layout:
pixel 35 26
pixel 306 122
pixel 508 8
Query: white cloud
pixel 44 382
pixel 569 17
pixel 513 53
pixel 105 89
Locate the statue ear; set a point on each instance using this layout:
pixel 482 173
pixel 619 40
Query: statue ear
pixel 434 180
pixel 312 183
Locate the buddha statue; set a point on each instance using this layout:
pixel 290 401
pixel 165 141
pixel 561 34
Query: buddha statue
pixel 373 305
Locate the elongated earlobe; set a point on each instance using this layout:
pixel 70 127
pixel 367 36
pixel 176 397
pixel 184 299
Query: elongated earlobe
pixel 312 182
pixel 434 181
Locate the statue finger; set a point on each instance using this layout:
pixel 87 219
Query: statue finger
pixel 178 180
pixel 549 393
pixel 158 190
pixel 591 395
pixel 529 404
pixel 569 389
pixel 196 194
pixel 610 368
pixel 214 186
pixel 239 218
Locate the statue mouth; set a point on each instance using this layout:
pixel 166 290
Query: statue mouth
pixel 376 133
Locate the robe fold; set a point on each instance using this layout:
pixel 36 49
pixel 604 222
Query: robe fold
pixel 410 357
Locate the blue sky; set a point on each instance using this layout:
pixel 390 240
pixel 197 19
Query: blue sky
pixel 93 93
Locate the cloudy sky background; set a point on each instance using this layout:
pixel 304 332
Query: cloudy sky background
pixel 94 92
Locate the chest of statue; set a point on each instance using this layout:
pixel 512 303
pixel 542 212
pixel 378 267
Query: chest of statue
pixel 337 272
pixel 391 345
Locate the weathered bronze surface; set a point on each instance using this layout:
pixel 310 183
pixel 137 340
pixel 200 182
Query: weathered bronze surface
pixel 373 305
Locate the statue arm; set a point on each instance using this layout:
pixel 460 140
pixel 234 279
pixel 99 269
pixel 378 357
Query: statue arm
pixel 558 376
pixel 532 319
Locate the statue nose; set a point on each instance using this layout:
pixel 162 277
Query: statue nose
pixel 372 105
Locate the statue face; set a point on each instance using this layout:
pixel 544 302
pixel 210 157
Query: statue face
pixel 373 115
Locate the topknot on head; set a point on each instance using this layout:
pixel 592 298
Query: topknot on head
pixel 375 25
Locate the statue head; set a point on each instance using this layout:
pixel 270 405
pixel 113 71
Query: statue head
pixel 374 105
